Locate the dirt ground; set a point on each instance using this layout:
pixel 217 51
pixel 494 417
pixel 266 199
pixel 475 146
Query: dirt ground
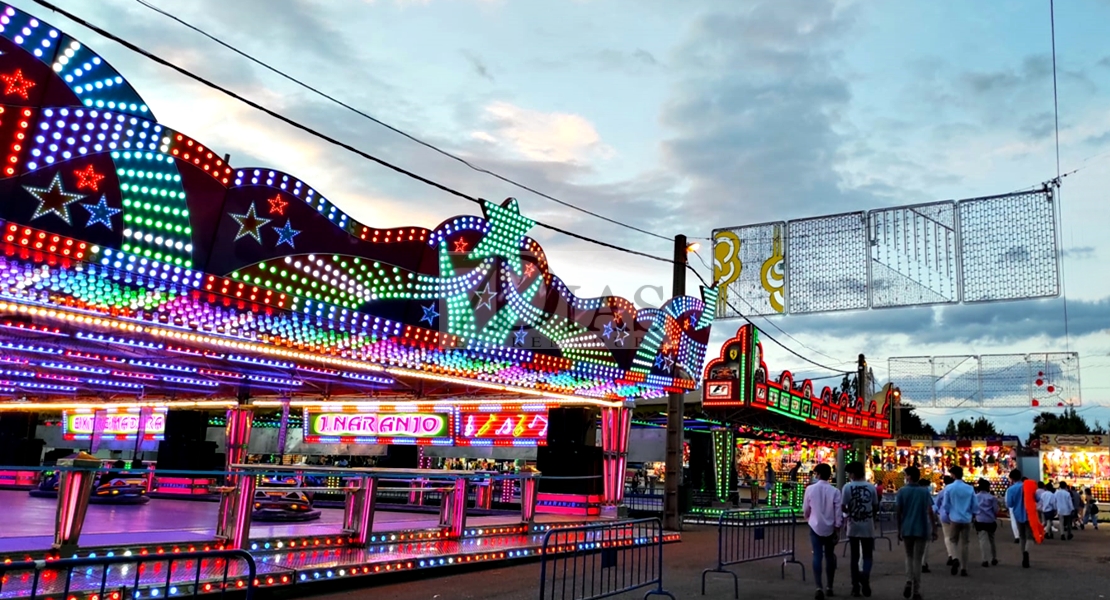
pixel 1075 570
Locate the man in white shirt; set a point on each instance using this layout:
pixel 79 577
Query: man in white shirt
pixel 821 508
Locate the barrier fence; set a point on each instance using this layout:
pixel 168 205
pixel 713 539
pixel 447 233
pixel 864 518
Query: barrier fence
pixel 598 561
pixel 179 575
pixel 745 535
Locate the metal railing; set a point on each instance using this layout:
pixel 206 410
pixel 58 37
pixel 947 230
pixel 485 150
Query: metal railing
pixel 131 577
pixel 751 535
pixel 598 561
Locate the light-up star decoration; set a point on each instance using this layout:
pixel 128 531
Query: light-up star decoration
pixel 286 234
pixel 277 205
pixel 249 224
pixel 101 213
pixel 461 245
pixel 430 314
pixel 88 179
pixel 485 297
pixel 519 335
pixel 53 200
pixel 621 334
pixel 15 84
pixel 507 229
pixel 608 330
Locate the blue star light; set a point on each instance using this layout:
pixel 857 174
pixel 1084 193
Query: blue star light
pixel 286 234
pixel 430 314
pixel 659 361
pixel 520 334
pixel 101 213
pixel 608 332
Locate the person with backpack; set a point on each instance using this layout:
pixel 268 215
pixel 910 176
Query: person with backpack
pixel 861 504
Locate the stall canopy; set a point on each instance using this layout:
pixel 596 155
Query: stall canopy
pixel 139 266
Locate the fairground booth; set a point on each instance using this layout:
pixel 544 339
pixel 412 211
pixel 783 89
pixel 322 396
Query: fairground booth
pixel 158 303
pixel 1078 459
pixel 989 458
pixel 777 421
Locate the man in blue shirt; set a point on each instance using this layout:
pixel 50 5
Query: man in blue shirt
pixel 916 524
pixel 958 502
pixel 1015 501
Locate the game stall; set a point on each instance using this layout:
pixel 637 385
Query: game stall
pixel 1082 460
pixel 989 458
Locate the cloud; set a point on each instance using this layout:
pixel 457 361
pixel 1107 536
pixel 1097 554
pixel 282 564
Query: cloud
pixel 1079 253
pixel 478 65
pixel 754 117
pixel 540 136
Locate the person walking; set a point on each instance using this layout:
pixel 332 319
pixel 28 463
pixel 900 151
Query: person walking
pixel 1090 510
pixel 945 524
pixel 986 522
pixel 1046 504
pixel 769 481
pixel 958 504
pixel 928 485
pixel 917 523
pixel 1077 506
pixel 822 510
pixel 1015 501
pixel 1064 508
pixel 861 504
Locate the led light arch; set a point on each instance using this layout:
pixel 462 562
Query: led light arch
pixel 108 212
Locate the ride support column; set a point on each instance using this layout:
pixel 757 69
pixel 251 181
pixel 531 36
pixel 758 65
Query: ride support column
pixel 358 510
pixel 529 485
pixel 615 424
pixel 452 511
pixel 237 499
pixel 74 490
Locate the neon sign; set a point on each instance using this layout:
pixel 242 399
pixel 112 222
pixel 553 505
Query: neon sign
pixel 118 423
pixel 377 427
pixel 502 428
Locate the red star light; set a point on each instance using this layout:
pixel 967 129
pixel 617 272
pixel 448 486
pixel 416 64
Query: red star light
pixel 16 84
pixel 460 245
pixel 277 205
pixel 88 178
pixel 529 269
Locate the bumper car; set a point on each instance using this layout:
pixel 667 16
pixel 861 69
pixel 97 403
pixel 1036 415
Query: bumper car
pixel 107 489
pixel 282 502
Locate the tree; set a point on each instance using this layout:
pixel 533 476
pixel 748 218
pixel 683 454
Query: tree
pixel 912 423
pixel 979 428
pixel 1067 422
pixel 951 429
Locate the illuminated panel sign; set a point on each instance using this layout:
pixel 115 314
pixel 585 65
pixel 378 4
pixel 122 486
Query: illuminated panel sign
pixel 496 427
pixel 357 426
pixel 119 423
pixel 739 378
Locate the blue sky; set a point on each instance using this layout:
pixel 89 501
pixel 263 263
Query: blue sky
pixel 677 117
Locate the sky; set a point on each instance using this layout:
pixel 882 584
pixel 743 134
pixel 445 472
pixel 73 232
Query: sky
pixel 676 118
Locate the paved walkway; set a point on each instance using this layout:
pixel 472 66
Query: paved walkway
pixel 1072 570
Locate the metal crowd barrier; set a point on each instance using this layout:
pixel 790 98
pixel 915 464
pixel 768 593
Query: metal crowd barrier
pixel 131 577
pixel 745 535
pixel 598 561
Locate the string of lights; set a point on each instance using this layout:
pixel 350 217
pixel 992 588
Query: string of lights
pixel 393 128
pixel 322 136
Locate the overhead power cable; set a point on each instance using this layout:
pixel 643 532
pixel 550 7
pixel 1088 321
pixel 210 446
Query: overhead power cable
pixel 305 128
pixel 392 128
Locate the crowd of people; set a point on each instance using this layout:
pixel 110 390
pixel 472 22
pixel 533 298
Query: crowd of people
pixel 924 517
